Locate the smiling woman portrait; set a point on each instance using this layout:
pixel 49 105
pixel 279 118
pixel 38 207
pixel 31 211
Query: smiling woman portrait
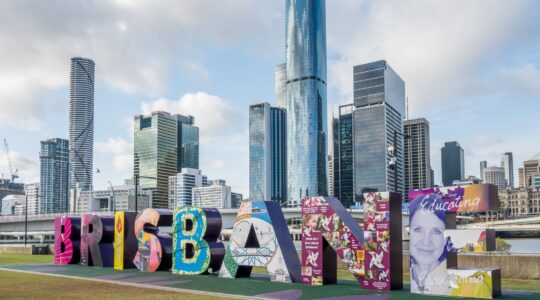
pixel 428 247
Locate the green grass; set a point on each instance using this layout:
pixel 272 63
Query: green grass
pixel 14 285
pixel 14 259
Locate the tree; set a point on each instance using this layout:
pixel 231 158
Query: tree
pixel 502 246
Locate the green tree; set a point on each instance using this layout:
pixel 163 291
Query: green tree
pixel 502 246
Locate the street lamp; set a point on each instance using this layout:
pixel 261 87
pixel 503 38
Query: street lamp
pixel 393 150
pixel 136 179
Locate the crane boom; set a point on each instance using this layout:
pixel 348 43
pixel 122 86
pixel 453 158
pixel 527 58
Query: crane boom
pixel 14 175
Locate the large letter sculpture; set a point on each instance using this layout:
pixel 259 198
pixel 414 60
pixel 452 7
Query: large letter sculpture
pixel 196 247
pixel 154 248
pixel 97 236
pixel 125 241
pixel 329 230
pixel 382 241
pixel 260 237
pixel 67 234
pixel 434 242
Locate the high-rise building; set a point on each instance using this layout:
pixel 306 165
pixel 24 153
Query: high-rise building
pixel 281 85
pixel 32 194
pixel 8 187
pixel 164 144
pixel 305 44
pixel 117 198
pixel 521 177
pixel 495 175
pixel 331 174
pixel 236 199
pixel 483 165
pixel 54 176
pixel 507 163
pixel 267 153
pixel 379 107
pixel 343 151
pixel 530 167
pixel 81 123
pixel 217 195
pixel 417 159
pixel 181 186
pixel 452 162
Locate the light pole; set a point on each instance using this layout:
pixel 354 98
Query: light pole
pixel 26 220
pixel 393 150
pixel 136 179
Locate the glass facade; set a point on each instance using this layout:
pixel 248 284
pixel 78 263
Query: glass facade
pixel 159 141
pixel 281 85
pixel 54 176
pixel 379 101
pixel 344 141
pixel 305 45
pixel 267 153
pixel 416 158
pixel 452 163
pixel 81 123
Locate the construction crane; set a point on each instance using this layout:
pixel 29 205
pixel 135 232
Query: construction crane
pixel 14 175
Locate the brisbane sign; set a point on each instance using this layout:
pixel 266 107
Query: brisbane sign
pixel 260 238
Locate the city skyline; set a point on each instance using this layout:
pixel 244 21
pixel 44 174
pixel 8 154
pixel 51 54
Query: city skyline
pixel 144 83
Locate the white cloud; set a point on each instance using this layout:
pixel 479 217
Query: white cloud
pixel 135 44
pixel 117 151
pixel 27 169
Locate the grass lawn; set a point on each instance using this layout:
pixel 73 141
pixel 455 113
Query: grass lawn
pixel 13 259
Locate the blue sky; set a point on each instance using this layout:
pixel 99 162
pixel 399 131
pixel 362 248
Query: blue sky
pixel 472 68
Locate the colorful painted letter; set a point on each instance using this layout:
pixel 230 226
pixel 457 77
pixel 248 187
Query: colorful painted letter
pixel 382 241
pixel 67 234
pixel 434 242
pixel 261 238
pixel 154 248
pixel 125 241
pixel 97 235
pixel 196 247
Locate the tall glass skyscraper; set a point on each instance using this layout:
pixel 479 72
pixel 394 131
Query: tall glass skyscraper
pixel 267 153
pixel 54 176
pixel 379 101
pixel 507 163
pixel 305 43
pixel 452 163
pixel 162 143
pixel 343 150
pixel 81 123
pixel 417 159
pixel 281 85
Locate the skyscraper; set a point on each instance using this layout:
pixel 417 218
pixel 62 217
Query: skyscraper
pixel 495 175
pixel 507 163
pixel 483 165
pixel 32 193
pixel 379 107
pixel 81 123
pixel 181 186
pixel 267 153
pixel 343 150
pixel 530 167
pixel 452 162
pixel 163 143
pixel 54 176
pixel 417 160
pixel 217 195
pixel 305 44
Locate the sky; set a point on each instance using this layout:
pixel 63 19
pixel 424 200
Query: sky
pixel 471 68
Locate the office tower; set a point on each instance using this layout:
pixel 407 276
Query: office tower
pixel 163 143
pixel 305 45
pixel 32 193
pixel 416 153
pixel 281 85
pixel 530 167
pixel 81 123
pixel 343 150
pixel 379 107
pixel 521 177
pixel 507 163
pixel 54 176
pixel 483 165
pixel 331 174
pixel 181 186
pixel 217 195
pixel 495 175
pixel 188 143
pixel 8 187
pixel 236 199
pixel 12 205
pixel 267 153
pixel 432 178
pixel 116 198
pixel 452 162
pixel 335 158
